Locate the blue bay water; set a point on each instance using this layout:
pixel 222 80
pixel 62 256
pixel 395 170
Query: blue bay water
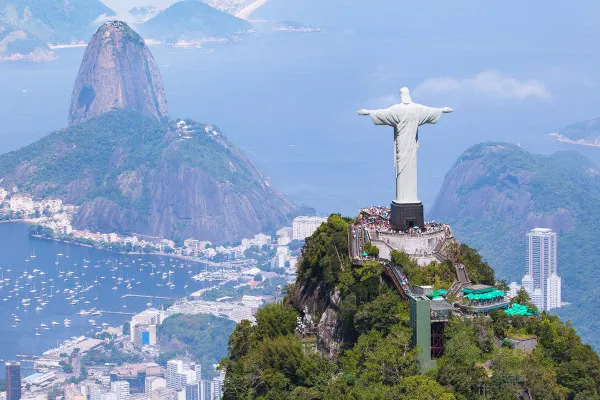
pixel 80 266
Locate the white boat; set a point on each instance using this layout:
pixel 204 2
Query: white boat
pixel 54 323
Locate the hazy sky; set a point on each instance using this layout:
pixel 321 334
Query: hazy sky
pixel 122 6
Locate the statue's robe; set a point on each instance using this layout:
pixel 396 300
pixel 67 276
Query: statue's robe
pixel 406 119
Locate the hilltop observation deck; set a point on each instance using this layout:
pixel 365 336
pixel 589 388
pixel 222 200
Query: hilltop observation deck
pixel 482 299
pixel 423 243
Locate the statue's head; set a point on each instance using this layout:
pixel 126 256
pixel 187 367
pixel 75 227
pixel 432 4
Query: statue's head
pixel 405 95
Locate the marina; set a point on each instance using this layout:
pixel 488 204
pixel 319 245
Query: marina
pixel 53 292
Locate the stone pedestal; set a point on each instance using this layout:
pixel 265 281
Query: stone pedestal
pixel 405 216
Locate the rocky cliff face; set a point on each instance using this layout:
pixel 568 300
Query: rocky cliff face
pixel 117 72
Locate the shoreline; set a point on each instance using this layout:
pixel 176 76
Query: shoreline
pixel 581 142
pixel 133 253
pixel 75 243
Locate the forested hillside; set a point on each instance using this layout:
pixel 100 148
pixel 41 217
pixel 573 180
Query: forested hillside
pixel 283 357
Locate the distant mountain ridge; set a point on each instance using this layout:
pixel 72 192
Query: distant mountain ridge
pixel 31 25
pixel 496 192
pixel 586 133
pixel 190 21
pixel 17 45
pixel 55 21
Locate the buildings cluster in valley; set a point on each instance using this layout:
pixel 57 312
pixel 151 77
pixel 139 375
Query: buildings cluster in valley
pixel 541 280
pixel 181 379
pixel 57 217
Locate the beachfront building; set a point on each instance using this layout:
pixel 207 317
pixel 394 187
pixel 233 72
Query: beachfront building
pixel 146 317
pixel 553 292
pixel 13 381
pixel 542 269
pixel 303 227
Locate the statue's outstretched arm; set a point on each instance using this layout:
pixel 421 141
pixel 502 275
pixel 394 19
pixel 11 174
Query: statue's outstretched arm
pixel 447 110
pixel 363 112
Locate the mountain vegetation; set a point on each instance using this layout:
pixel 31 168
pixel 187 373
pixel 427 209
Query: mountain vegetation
pixel 55 21
pixel 496 192
pixel 280 357
pixel 201 337
pixel 190 21
pixel 131 173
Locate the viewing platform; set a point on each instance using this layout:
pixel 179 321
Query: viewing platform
pixel 423 244
pixel 483 299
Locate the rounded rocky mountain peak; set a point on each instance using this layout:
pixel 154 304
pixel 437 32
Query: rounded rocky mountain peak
pixel 118 71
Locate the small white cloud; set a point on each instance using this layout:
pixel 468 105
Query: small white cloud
pixel 102 18
pixel 490 84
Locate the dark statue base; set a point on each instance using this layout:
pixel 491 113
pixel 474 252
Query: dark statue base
pixel 406 216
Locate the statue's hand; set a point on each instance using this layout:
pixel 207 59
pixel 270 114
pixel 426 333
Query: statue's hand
pixel 447 110
pixel 363 112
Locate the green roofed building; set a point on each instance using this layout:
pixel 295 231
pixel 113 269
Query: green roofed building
pixel 483 299
pixel 519 309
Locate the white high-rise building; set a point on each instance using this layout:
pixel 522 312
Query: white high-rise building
pixel 541 264
pixel 303 227
pixel 218 387
pixel 153 383
pixel 513 289
pixel 120 389
pixel 174 373
pixel 527 284
pixel 553 292
pixel 205 390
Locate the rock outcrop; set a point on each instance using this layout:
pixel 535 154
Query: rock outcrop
pixel 118 71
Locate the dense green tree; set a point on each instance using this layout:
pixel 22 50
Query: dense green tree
pixel 325 253
pixel 382 313
pixel 376 360
pixel 275 320
pixel 501 323
pixel 459 366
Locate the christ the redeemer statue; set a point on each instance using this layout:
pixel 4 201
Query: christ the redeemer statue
pixel 406 118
